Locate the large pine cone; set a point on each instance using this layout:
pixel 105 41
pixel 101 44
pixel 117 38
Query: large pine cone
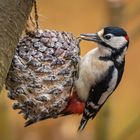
pixel 42 74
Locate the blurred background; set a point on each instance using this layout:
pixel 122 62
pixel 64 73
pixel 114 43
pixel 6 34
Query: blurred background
pixel 119 119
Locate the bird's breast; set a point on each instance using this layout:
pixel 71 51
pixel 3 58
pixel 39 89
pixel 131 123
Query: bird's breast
pixel 91 71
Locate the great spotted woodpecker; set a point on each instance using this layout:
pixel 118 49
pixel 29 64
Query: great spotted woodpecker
pixel 100 72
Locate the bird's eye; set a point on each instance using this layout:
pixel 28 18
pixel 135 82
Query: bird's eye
pixel 107 37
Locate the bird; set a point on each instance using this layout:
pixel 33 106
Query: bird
pixel 99 72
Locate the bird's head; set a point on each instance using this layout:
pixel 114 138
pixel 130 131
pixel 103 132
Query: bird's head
pixel 114 39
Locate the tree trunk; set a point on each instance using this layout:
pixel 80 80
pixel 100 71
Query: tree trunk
pixel 13 15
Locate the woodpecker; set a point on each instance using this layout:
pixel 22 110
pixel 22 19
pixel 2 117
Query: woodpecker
pixel 100 72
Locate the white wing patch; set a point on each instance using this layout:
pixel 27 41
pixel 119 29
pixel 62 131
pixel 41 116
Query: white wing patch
pixel 111 87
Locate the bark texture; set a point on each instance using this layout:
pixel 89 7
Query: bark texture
pixel 13 15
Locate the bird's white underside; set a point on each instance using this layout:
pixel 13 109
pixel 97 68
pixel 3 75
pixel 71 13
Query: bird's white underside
pixel 91 71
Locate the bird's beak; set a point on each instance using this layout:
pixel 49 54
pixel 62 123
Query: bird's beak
pixel 91 37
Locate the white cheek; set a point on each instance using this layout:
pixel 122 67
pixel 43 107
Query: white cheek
pixel 117 42
pixel 100 33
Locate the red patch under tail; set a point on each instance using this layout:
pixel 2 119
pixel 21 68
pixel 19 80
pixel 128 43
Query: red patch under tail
pixel 75 106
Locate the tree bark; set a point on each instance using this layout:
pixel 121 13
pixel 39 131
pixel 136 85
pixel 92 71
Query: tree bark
pixel 13 16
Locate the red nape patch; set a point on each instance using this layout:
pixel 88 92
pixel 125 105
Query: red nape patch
pixel 127 38
pixel 75 106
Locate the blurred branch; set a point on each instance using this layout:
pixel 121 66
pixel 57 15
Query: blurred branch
pixel 115 11
pixel 14 14
pixel 102 122
pixel 131 13
pixel 132 127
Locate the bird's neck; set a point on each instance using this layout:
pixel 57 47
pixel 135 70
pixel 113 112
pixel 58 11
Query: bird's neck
pixel 108 54
pixel 104 51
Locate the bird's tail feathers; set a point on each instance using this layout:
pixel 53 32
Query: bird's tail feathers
pixel 82 124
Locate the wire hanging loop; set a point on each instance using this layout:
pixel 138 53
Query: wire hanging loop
pixel 36 14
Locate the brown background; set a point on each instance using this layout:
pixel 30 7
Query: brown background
pixel 120 117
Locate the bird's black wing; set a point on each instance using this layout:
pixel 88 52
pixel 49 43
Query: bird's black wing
pixel 92 107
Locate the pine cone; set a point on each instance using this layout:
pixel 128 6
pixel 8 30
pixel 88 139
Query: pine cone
pixel 42 74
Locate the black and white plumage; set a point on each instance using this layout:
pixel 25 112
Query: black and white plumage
pixel 101 69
